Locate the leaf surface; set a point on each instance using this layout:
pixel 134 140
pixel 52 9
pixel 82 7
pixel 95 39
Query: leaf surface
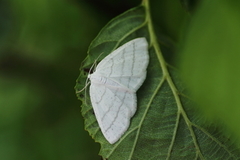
pixel 165 125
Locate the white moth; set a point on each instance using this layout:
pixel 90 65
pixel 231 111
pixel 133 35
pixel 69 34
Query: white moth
pixel 114 84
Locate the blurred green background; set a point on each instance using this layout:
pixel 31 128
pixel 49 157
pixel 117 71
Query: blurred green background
pixel 42 44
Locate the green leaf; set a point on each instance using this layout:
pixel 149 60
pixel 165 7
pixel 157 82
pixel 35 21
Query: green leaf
pixel 165 126
pixel 211 55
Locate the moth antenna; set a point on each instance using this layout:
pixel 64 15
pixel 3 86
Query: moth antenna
pixel 88 82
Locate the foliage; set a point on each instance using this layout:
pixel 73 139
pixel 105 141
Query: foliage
pixel 42 44
pixel 167 124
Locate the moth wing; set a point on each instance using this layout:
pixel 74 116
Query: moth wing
pixel 113 108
